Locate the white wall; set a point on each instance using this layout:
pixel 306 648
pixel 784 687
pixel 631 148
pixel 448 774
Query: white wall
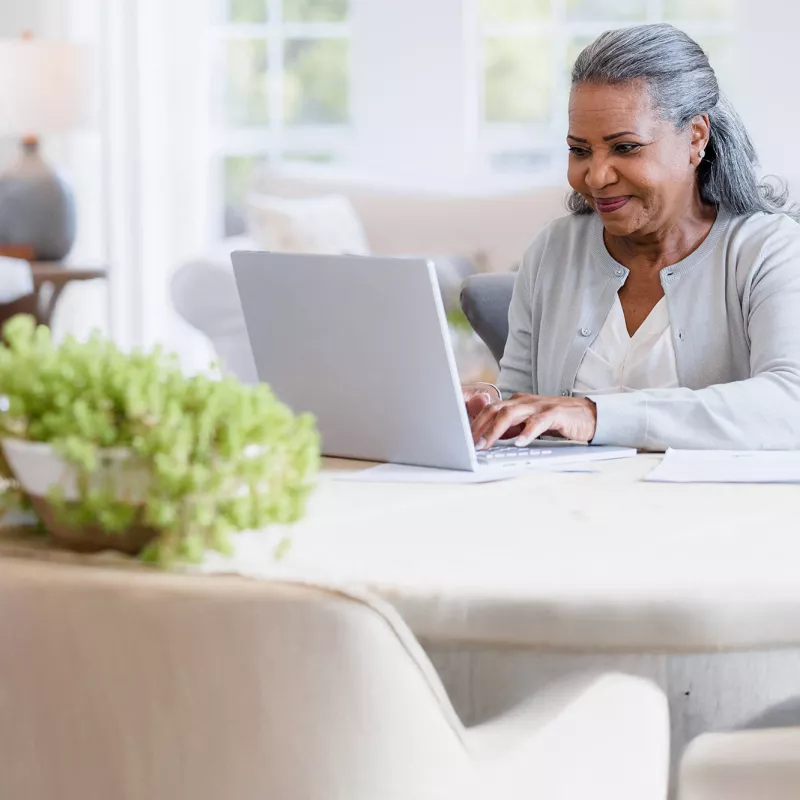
pixel 426 121
pixel 16 16
pixel 766 91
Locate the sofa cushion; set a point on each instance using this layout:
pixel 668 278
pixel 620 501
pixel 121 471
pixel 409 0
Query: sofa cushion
pixel 320 225
pixel 491 229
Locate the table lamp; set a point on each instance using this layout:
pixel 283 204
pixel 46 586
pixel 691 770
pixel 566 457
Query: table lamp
pixel 43 90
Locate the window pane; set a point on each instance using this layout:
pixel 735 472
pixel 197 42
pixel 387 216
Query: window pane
pixel 240 174
pixel 697 9
pixel 246 77
pixel 305 157
pixel 502 11
pixel 618 10
pixel 247 11
pixel 316 81
pixel 315 10
pixel 519 79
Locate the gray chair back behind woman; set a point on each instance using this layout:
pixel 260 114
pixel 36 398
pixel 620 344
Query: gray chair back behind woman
pixel 484 300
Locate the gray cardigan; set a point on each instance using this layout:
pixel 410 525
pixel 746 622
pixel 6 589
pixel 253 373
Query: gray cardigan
pixel 734 309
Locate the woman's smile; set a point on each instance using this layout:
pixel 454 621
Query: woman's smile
pixel 608 205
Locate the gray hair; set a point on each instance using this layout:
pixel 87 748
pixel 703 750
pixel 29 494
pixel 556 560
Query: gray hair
pixel 683 85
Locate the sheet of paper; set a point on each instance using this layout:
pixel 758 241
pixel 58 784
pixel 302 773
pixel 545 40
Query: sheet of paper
pixel 727 466
pixel 402 473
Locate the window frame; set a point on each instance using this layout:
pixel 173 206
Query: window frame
pixel 546 139
pixel 422 125
pixel 275 142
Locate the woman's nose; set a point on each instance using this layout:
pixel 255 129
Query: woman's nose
pixel 600 173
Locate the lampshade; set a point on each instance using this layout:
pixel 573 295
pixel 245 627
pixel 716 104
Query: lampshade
pixel 43 87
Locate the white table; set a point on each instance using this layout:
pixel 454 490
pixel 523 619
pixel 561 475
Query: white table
pixel 561 561
pixel 510 584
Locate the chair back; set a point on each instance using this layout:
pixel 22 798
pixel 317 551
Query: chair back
pixel 137 685
pixel 485 299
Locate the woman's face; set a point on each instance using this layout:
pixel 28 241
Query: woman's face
pixel 635 170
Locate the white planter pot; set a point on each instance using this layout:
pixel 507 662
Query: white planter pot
pixel 38 468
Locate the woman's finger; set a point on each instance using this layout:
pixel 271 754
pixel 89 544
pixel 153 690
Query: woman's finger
pixel 507 417
pixel 476 403
pixel 535 427
pixel 483 420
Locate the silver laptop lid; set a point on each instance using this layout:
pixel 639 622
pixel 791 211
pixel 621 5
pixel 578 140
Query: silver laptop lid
pixel 362 343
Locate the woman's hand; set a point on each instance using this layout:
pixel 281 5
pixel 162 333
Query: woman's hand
pixel 528 416
pixel 477 396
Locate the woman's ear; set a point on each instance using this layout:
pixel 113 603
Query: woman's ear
pixel 701 133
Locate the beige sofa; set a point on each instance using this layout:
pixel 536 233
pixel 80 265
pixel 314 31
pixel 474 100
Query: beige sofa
pixel 490 231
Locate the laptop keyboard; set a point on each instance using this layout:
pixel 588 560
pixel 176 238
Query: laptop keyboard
pixel 505 453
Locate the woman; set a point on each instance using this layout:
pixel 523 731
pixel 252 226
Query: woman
pixel 664 311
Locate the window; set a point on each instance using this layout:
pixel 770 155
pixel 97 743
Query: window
pixel 526 50
pixel 283 91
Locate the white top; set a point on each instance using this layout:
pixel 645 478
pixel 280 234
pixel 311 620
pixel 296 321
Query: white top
pixel 618 362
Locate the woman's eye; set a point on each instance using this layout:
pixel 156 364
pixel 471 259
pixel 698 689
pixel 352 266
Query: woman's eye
pixel 578 152
pixel 626 149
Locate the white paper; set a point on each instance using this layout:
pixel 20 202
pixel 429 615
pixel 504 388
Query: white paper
pixel 403 473
pixel 728 466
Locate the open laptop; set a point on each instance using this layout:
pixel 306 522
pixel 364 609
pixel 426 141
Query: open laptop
pixel 363 344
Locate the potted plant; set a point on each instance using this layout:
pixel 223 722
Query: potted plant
pixel 122 450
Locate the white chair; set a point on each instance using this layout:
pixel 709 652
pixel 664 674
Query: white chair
pixel 745 765
pixel 204 294
pixel 136 685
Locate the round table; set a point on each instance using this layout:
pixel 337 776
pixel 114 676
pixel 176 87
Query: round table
pixel 512 584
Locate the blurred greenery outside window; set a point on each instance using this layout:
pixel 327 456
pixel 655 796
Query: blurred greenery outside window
pixel 283 93
pixel 526 50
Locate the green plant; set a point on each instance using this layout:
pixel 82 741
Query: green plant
pixel 222 457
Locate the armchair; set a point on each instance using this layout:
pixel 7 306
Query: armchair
pixel 126 683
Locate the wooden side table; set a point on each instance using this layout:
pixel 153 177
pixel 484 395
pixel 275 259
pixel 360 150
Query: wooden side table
pixel 49 281
pixel 50 278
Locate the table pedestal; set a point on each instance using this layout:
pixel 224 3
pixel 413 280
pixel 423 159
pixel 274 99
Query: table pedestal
pixel 707 692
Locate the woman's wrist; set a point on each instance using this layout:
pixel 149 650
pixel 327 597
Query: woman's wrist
pixel 489 385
